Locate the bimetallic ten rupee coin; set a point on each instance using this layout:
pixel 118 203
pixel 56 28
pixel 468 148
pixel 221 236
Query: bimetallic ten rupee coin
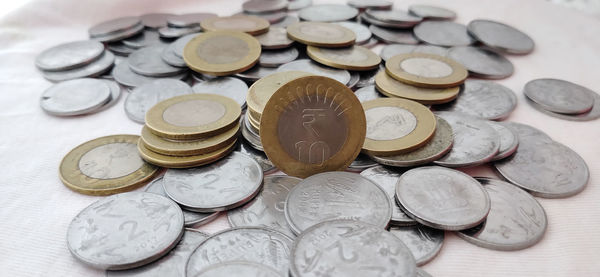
pixel 426 70
pixel 393 88
pixel 69 55
pixel 182 161
pixel 321 34
pixel 351 58
pixel 481 62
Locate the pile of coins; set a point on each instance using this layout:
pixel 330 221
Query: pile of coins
pixel 287 86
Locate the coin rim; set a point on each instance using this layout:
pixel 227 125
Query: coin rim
pixel 458 76
pixel 372 62
pixel 188 147
pixel 294 34
pixel 182 161
pixel 384 84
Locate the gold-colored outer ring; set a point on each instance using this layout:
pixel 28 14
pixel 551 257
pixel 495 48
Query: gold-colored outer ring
pixel 293 32
pixel 188 147
pixel 157 125
pixel 457 77
pixel 422 133
pixel 199 64
pixel 284 97
pixel 393 88
pixel 255 115
pixel 372 62
pixel 254 123
pixel 74 179
pixel 184 161
pixel 260 92
pixel 262 25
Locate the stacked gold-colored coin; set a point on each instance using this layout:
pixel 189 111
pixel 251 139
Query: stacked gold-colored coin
pixel 190 130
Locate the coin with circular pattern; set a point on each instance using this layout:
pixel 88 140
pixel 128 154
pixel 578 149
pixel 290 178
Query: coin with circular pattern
pixel 252 25
pixel 356 58
pixel 394 88
pixel 426 70
pixel 321 34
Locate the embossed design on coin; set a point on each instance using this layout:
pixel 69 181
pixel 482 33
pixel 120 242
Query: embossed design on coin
pixel 424 242
pixel 443 33
pixel 69 55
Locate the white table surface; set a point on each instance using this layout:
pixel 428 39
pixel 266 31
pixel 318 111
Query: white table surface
pixel 36 208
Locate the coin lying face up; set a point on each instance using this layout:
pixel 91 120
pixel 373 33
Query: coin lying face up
pixel 69 55
pixel 432 12
pixel 252 25
pixel 481 62
pixel 352 58
pixel 75 97
pixel 105 165
pixel 426 70
pixel 443 33
pixel 328 13
pixel 112 233
pixel 321 34
pixel 560 96
pixel 501 36
pixel 394 88
pixel 144 97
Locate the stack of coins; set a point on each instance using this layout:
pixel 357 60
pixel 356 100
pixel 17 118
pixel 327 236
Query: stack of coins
pixel 190 130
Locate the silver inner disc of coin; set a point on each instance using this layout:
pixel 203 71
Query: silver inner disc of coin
pixel 389 123
pixel 110 161
pixel 425 67
pixel 194 113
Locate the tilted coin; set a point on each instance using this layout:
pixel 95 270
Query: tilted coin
pixel 395 16
pixel 183 161
pixel 312 124
pixel 367 93
pixel 437 147
pixel 144 97
pixel 387 178
pixel 485 99
pixel 143 39
pixel 442 198
pixel 69 55
pixel 147 61
pixel 256 73
pixel 288 20
pixel 394 88
pixel 231 87
pixel 594 113
pixel 336 195
pixel 431 12
pixel 267 208
pixel 193 116
pixel 306 65
pixel 238 268
pixel 370 4
pixel 115 94
pixel 371 43
pixel 264 6
pixel 190 218
pixel 119 35
pixel 328 13
pixel 275 58
pixel 169 56
pixel 124 76
pixel 275 38
pixel 241 23
pixel 560 96
pixel 246 244
pixel 93 69
pixel 509 140
pixel 188 19
pixel 482 63
pixel 224 185
pixel 500 36
pixel 221 53
pixel 361 163
pixel 426 70
pixel 394 25
pixel 545 169
pixel 174 33
pixel 321 34
pixel 475 141
pixel 188 147
pixel 351 58
pixel 105 165
pixel 114 26
pixel 424 242
pixel 350 248
pixel 516 220
pixel 361 31
pixel 75 97
pixel 396 126
pixel 443 33
pixel 113 233
pixel 119 48
pixel 259 156
pixel 391 50
pixel 389 35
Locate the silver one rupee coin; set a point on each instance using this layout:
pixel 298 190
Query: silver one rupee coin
pixel 509 140
pixel 75 97
pixel 231 87
pixel 560 96
pixel 424 242
pixel 485 99
pixel 144 97
pixel 481 62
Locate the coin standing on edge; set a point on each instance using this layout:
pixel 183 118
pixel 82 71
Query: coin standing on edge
pixel 426 70
pixel 321 34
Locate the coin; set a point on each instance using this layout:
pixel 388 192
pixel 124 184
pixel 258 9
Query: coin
pixel 238 268
pixel 594 113
pixel 258 156
pixel 69 55
pixel 387 178
pixel 105 165
pixel 114 26
pixel 93 69
pixel 438 146
pixel 560 96
pixel 396 126
pixel 188 147
pixel 147 61
pixel 224 185
pixel 361 31
pixel 252 25
pixel 349 248
pixel 275 58
pixel 354 78
pixel 545 169
pixel 475 141
pixel 371 43
pixel 119 48
pixel 169 56
pixel 143 39
pixel 144 97
pixel 255 73
pixel 367 78
pixel 288 20
pixel 125 223
pixel 190 218
pixel 391 50
pixel 251 137
pixel 306 65
pixel 231 87
pixel 424 242
pixel 482 63
pixel 155 20
pixel 485 99
pixel 422 273
pixel 529 133
pixel 367 93
pixel 261 91
pixel 442 198
pixel 336 195
pixel 193 116
pixel 431 12
pixel 243 244
pixel 318 130
pixel 117 36
pixel 75 97
pixel 509 140
pixel 298 4
pixel 275 38
pixel 182 161
pixel 361 163
pixel 395 16
pixel 180 43
pixel 327 13
pixel 500 36
pixel 188 19
pixel 370 4
pixel 124 76
pixel 321 34
pixel 393 88
pixel 267 208
pixel 389 35
pixel 221 53
pixel 426 70
pixel 175 33
pixel 115 94
pixel 264 6
pixel 443 33
pixel 171 264
pixel 351 58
